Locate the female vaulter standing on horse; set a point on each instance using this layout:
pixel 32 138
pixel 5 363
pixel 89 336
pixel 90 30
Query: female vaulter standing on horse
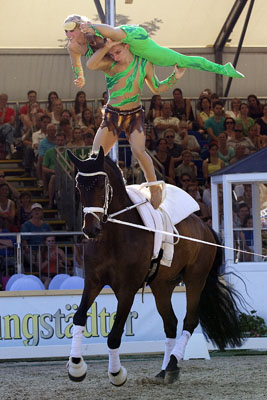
pixel 126 55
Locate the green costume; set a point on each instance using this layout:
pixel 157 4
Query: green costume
pixel 136 66
pixel 143 46
pixel 135 72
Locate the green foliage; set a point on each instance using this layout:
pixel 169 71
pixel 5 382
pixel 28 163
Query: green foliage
pixel 253 325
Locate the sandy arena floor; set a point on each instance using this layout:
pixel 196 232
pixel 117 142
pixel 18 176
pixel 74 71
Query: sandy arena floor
pixel 221 378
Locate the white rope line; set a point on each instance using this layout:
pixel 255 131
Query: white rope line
pixel 127 209
pixel 145 228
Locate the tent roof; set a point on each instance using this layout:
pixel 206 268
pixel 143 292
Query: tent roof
pixel 176 23
pixel 254 163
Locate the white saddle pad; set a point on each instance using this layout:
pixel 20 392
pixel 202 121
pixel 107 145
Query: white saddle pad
pixel 176 206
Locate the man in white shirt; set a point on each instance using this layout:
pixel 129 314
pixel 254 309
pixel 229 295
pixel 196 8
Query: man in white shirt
pixel 41 134
pixel 166 121
pixel 188 142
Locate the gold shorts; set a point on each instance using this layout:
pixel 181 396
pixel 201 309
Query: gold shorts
pixel 127 121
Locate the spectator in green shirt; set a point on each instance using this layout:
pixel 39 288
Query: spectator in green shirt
pixel 215 125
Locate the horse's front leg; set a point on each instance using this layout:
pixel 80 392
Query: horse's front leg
pixel 116 372
pixel 76 366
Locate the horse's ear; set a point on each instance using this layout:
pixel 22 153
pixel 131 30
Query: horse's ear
pixel 100 157
pixel 76 161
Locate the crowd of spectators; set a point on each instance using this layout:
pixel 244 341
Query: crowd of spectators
pixel 187 145
pixel 31 134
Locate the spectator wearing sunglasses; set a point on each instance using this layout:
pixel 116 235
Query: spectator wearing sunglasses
pixel 187 166
pixel 229 127
pixel 184 181
pixel 173 149
pixel 239 139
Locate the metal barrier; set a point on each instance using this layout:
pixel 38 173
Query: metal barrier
pixel 29 259
pixel 66 195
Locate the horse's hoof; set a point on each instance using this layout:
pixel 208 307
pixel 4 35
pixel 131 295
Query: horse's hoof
pixel 77 371
pixel 119 378
pixel 159 378
pixel 172 371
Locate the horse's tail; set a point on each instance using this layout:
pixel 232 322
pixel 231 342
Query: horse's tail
pixel 218 310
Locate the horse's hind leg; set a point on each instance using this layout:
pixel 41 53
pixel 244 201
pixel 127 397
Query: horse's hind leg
pixel 162 292
pixel 194 287
pixel 116 372
pixel 76 366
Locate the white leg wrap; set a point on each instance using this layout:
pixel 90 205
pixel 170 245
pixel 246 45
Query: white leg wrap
pixel 76 345
pixel 114 363
pixel 179 348
pixel 169 345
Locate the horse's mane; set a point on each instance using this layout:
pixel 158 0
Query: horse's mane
pixel 116 169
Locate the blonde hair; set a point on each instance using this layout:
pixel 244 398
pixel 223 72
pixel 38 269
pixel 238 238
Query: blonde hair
pixel 79 19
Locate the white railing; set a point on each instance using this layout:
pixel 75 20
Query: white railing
pixel 28 258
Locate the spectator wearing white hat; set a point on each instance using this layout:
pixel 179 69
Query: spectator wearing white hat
pixel 35 224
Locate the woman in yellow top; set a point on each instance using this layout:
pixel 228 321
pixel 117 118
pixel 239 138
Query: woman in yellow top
pixel 213 162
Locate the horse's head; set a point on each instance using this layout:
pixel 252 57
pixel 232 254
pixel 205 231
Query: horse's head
pixel 95 191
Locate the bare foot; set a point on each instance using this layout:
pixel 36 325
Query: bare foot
pixel 156 196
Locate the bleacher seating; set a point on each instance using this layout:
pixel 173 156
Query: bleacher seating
pixel 27 283
pixel 57 281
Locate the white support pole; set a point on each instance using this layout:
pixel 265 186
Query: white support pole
pixel 256 220
pixel 19 257
pixel 110 8
pixel 215 207
pixel 228 220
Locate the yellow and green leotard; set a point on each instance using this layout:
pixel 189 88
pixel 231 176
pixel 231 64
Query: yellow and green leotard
pixel 143 46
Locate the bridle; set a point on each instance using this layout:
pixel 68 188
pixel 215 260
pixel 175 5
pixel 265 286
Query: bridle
pixel 107 197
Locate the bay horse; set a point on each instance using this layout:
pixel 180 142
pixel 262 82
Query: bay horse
pixel 120 256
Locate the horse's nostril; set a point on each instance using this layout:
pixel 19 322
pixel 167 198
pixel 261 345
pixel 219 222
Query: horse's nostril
pixel 92 233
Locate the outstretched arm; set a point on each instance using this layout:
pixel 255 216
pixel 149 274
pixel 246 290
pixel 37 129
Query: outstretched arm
pixel 157 86
pixel 107 31
pixel 77 67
